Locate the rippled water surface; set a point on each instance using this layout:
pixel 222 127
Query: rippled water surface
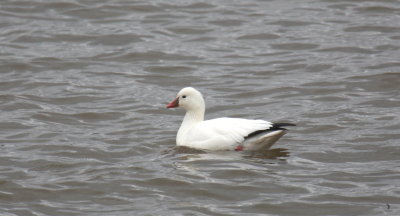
pixel 84 84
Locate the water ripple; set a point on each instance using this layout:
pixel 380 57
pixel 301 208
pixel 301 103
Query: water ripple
pixel 84 129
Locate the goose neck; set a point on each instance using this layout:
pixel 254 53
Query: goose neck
pixel 193 117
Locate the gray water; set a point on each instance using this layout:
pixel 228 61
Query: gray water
pixel 84 129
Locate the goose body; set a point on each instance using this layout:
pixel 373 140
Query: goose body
pixel 221 133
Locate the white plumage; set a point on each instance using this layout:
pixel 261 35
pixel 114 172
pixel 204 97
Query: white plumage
pixel 221 133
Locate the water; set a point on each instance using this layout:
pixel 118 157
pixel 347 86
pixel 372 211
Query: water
pixel 84 84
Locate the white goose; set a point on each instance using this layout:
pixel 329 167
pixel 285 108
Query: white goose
pixel 221 133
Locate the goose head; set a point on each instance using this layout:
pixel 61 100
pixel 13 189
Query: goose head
pixel 188 99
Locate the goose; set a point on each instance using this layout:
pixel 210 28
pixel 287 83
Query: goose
pixel 221 133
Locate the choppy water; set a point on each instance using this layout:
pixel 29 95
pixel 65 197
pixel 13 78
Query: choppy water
pixel 84 129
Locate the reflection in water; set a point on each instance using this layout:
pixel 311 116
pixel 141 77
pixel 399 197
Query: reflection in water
pixel 274 153
pixel 185 152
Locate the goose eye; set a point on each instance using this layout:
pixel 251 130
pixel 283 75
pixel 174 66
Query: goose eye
pixel 184 96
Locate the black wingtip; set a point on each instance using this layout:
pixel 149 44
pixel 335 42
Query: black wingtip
pixel 275 127
pixel 280 126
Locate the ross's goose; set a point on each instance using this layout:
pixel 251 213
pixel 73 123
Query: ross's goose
pixel 221 133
